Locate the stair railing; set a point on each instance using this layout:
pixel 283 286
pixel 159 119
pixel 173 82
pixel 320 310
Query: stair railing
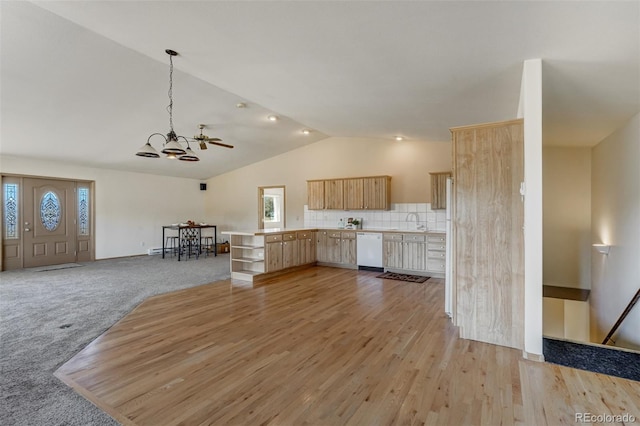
pixel 624 314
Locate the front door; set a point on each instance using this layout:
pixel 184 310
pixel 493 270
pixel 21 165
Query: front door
pixel 49 220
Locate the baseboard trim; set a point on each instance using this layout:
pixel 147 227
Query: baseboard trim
pixel 532 357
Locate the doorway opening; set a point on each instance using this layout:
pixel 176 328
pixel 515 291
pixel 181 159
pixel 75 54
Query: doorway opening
pixel 271 207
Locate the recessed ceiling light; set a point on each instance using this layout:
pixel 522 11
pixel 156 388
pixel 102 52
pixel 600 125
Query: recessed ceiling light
pixel 241 105
pixel 399 138
pixel 306 131
pixel 272 117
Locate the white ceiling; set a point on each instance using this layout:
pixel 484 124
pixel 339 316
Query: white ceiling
pixel 86 81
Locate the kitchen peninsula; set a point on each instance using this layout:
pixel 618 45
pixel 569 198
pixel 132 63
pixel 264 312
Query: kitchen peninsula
pixel 260 254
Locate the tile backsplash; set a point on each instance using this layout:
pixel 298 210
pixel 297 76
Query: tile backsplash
pixel 399 217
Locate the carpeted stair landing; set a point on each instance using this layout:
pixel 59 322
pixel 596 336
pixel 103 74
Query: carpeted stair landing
pixel 599 359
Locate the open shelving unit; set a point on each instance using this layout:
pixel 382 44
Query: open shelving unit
pixel 247 256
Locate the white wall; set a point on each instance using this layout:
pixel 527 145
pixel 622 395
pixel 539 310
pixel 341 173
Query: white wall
pixel 232 200
pixel 530 108
pixel 615 220
pixel 130 207
pixel 566 176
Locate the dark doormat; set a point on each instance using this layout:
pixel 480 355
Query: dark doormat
pixel 598 359
pixel 403 277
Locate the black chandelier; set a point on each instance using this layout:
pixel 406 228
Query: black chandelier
pixel 171 146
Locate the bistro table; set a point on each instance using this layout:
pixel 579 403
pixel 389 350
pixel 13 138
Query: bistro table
pixel 186 234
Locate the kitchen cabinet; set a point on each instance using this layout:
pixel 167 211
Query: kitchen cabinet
pixel 322 247
pixel 436 253
pixel 354 194
pixel 315 194
pixel 377 192
pixel 414 252
pixel 289 250
pixel 439 190
pixel 334 247
pixel 273 253
pixel 359 193
pixel 334 194
pixel 306 247
pixel 348 247
pixel 337 247
pixel 392 246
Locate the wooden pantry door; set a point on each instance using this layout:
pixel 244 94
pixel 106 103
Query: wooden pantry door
pixel 488 217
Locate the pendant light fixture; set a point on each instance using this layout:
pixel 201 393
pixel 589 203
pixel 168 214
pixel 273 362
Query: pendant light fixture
pixel 171 146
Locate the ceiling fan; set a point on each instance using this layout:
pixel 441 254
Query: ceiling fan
pixel 202 139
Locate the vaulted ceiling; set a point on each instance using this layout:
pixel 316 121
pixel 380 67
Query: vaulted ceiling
pixel 86 81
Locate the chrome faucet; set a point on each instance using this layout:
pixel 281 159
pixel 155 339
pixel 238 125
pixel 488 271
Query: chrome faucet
pixel 417 217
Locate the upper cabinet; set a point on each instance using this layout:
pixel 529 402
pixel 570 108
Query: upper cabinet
pixel 439 190
pixel 315 194
pixel 354 194
pixel 377 193
pixel 363 193
pixel 334 194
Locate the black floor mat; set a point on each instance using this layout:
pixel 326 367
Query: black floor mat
pixel 593 358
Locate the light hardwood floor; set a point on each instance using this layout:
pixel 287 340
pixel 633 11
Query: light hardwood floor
pixel 323 346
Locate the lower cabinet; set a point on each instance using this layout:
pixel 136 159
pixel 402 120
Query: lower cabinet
pixel 306 247
pixel 337 247
pixel 392 246
pixel 348 253
pixel 273 252
pixel 281 251
pixel 436 253
pixel 334 247
pixel 414 252
pixel 322 246
pixel 289 250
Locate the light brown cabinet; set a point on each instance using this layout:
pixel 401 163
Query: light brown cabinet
pixel 315 194
pixel 377 193
pixel 348 248
pixel 414 252
pixel 333 194
pixel 322 246
pixel 436 253
pixel 354 194
pixel 329 247
pixel 289 250
pixel 334 247
pixel 306 247
pixel 392 246
pixel 361 193
pixel 439 190
pixel 273 252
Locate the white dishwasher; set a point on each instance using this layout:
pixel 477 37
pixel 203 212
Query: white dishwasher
pixel 369 249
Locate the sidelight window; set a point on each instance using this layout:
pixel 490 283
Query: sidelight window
pixel 83 211
pixel 11 211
